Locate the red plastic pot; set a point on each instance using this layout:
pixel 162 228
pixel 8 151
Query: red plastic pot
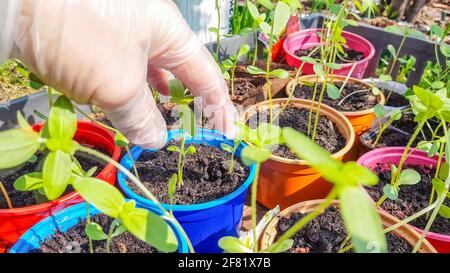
pixel 15 222
pixel 392 155
pixel 308 38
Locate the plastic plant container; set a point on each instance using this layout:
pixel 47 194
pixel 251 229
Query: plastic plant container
pixel 204 223
pixel 392 155
pixel 269 235
pixel 308 38
pixel 64 220
pixel 14 222
pixel 285 182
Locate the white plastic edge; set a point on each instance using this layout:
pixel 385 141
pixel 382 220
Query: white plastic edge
pixel 9 10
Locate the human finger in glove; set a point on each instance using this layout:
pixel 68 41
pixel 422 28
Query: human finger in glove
pixel 107 52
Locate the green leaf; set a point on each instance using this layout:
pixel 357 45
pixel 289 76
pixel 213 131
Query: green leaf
pixel 187 119
pixel 443 171
pixel 253 10
pixel 29 182
pixel 334 66
pixel 362 222
pixel 120 229
pixel 385 78
pixel 151 229
pixel 243 50
pixel 173 148
pixel 396 114
pixel 354 174
pixel 226 147
pixel 191 150
pixel 121 140
pixel 265 28
pixel 91 171
pixel 333 92
pixel 17 146
pixel 62 122
pixel 95 232
pixel 437 85
pixel 176 89
pixel 56 173
pixel 444 212
pixel 433 149
pixel 281 17
pixel 40 115
pixel 409 177
pixel 445 50
pixel 252 154
pixel 213 30
pixel 318 70
pixel 280 73
pixel 269 134
pixel 172 187
pixel 439 186
pixel 390 192
pixel 436 31
pixel 379 111
pixel 391 50
pixel 23 123
pixel 307 59
pixel 233 245
pixel 284 246
pixel 101 195
pixel 267 4
pixel 428 99
pixel 35 82
pixel 255 70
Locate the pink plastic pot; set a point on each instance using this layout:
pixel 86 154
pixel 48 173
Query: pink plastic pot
pixel 392 155
pixel 14 222
pixel 308 38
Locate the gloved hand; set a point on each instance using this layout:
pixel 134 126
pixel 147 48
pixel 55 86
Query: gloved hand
pixel 107 52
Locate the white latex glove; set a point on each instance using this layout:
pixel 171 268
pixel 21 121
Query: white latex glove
pixel 107 52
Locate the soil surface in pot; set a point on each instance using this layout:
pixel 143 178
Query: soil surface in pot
pixel 326 232
pixel 75 240
pixel 327 136
pixel 406 125
pixel 411 199
pixel 394 99
pixel 205 176
pixel 361 98
pixel 21 199
pixel 351 55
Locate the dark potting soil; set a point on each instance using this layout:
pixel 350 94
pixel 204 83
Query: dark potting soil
pixel 326 232
pixel 411 199
pixel 351 55
pixel 356 102
pixel 166 110
pixel 327 136
pixel 246 90
pixel 74 240
pixel 394 99
pixel 21 199
pixel 407 125
pixel 205 176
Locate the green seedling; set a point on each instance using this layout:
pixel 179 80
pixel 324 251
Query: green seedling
pixel 231 63
pixel 395 115
pixel 171 189
pixel 258 19
pixel 179 96
pixel 232 150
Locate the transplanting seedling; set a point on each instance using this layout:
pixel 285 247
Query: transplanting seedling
pixel 187 121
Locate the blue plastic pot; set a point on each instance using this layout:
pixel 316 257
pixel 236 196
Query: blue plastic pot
pixel 64 220
pixel 204 223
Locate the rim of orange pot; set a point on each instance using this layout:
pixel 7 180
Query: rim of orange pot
pixel 343 124
pixel 337 78
pixel 269 234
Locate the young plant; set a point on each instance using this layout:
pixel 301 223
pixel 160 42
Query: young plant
pixel 232 62
pixel 232 150
pixel 171 189
pixel 258 19
pixel 60 169
pixel 395 115
pixel 179 96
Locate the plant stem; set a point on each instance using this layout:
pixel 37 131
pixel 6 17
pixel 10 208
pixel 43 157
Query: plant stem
pixel 112 227
pixel 88 219
pixel 308 218
pixel 254 190
pixel 147 193
pixel 181 159
pixel 255 56
pixel 351 94
pixel 233 70
pixel 133 163
pixel 391 69
pixel 5 194
pixel 50 96
pixel 382 129
pixel 316 84
pixel 268 83
pixel 218 30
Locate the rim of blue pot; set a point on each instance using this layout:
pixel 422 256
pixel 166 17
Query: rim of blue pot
pixel 51 220
pixel 137 151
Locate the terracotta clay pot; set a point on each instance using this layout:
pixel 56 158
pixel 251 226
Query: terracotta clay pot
pixel 284 181
pixel 269 235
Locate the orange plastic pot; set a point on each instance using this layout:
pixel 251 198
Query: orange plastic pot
pixel 284 181
pixel 14 222
pixel 269 235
